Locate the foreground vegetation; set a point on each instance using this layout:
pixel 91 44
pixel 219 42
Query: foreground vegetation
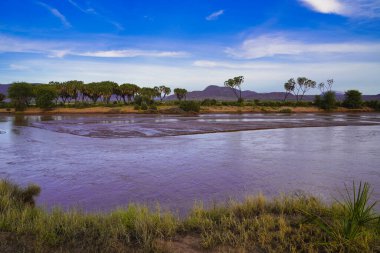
pixel 285 224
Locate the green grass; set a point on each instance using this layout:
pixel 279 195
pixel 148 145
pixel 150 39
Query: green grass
pixel 283 224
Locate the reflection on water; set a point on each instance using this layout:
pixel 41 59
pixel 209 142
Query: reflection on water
pixel 102 173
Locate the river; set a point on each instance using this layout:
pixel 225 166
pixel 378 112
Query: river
pixel 101 162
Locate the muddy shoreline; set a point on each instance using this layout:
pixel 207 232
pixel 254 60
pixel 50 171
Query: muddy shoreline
pixel 172 110
pixel 142 125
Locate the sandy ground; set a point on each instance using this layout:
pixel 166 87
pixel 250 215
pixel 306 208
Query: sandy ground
pixel 172 110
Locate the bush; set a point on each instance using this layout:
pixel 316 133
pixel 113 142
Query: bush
pixel 144 106
pixel 352 99
pixel 209 102
pixel 45 96
pixel 287 110
pixel 137 107
pixel 374 104
pixel 327 101
pixel 190 106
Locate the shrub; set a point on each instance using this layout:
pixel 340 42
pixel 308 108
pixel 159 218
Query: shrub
pixel 374 104
pixel 144 106
pixel 45 96
pixel 190 106
pixel 352 99
pixel 286 110
pixel 327 101
pixel 136 107
pixel 209 102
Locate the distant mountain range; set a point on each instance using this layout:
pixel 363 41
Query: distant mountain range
pixel 223 93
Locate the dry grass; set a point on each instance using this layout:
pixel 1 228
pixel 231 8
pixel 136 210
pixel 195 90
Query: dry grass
pixel 284 224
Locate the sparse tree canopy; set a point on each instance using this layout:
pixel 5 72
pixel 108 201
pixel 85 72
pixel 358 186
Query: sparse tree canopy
pixel 235 84
pixel 299 88
pixel 325 87
pixel 163 91
pixel 180 93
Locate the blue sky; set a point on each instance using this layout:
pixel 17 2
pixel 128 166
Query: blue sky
pixel 192 44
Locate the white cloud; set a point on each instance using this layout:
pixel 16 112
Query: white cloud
pixel 215 15
pixel 349 8
pixel 56 49
pixel 57 14
pixel 132 53
pixel 325 6
pixel 275 45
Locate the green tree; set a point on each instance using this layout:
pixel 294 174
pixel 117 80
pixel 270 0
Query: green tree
pixel 20 93
pixel 128 90
pixel 180 93
pixel 93 91
pixel 162 91
pixel 352 99
pixel 289 87
pixel 235 85
pixel 73 88
pixel 45 95
pixel 107 89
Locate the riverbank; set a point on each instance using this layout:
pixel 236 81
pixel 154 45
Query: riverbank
pixel 176 111
pixel 284 224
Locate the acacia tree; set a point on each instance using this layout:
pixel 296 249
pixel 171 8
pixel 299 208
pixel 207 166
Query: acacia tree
pixel 128 90
pixel 162 91
pixel 106 89
pixel 20 93
pixel 235 84
pixel 180 93
pixel 73 88
pixel 325 87
pixel 299 88
pixel 93 91
pixel 289 87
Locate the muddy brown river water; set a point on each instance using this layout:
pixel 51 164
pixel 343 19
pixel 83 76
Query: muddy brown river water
pixel 101 162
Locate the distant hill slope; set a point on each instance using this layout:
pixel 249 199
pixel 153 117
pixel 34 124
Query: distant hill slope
pixel 224 93
pixel 4 88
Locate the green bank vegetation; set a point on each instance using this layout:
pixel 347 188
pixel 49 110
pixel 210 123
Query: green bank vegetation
pixel 285 224
pixel 77 94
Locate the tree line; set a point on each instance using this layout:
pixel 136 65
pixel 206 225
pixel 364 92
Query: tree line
pixel 22 94
pixel 46 96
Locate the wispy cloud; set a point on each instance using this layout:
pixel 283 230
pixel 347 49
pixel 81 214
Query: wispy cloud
pixel 349 8
pixel 56 49
pixel 132 53
pixel 92 11
pixel 275 45
pixel 215 15
pixel 56 13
